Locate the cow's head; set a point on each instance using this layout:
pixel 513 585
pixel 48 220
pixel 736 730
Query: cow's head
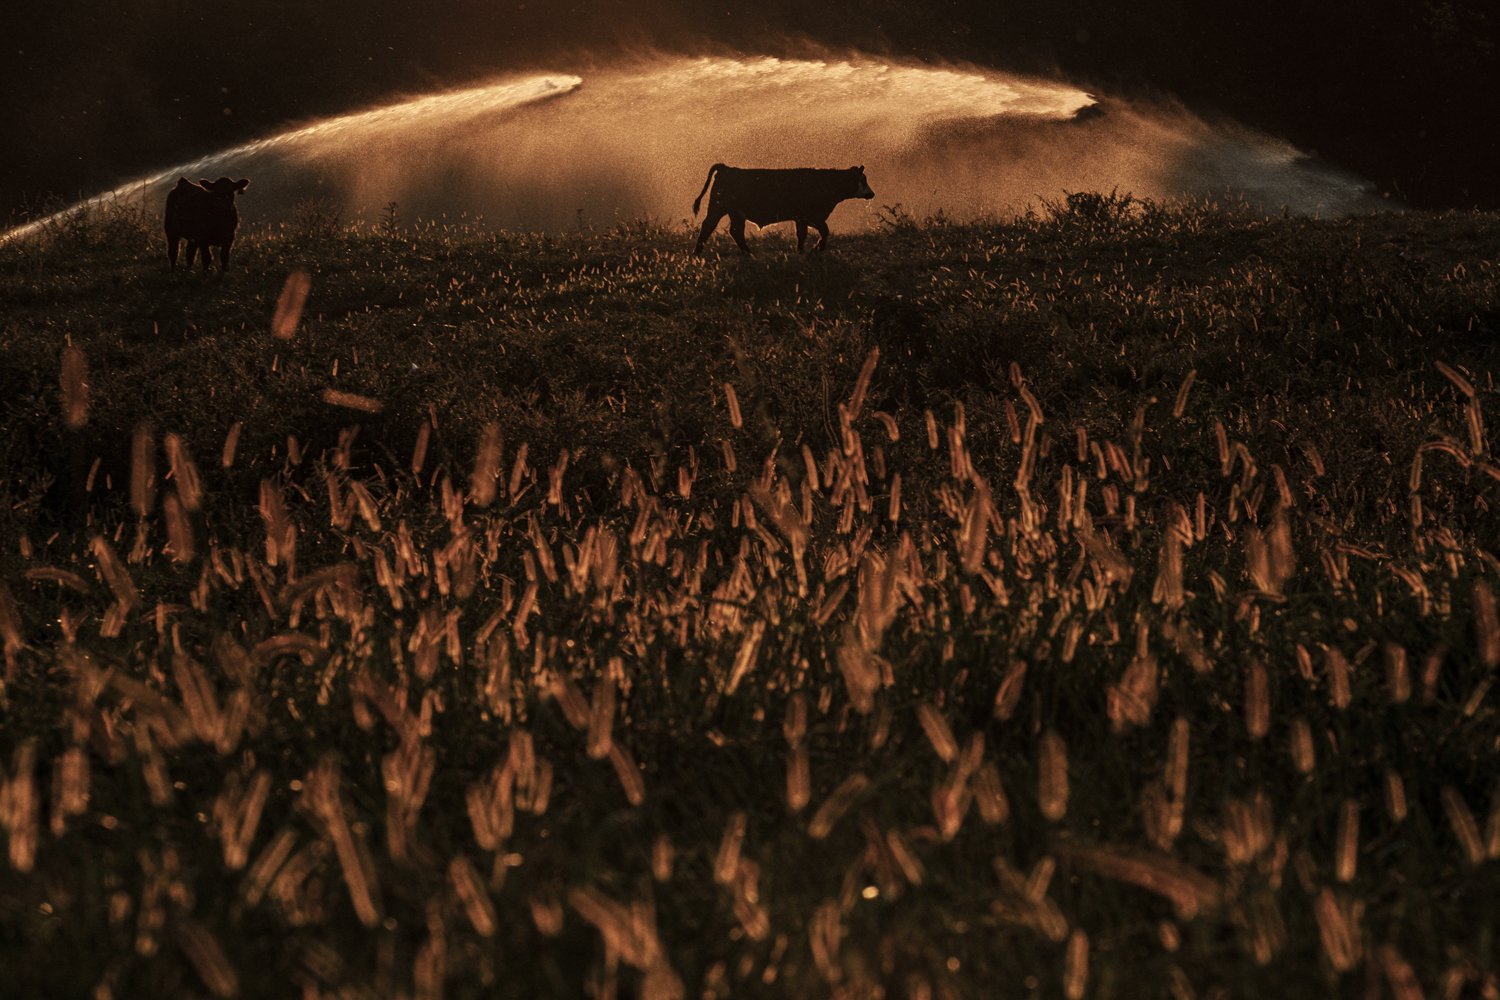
pixel 861 186
pixel 224 187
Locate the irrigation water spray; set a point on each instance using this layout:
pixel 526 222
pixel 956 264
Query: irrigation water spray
pixel 548 152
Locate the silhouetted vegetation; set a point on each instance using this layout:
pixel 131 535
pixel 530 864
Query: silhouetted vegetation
pixel 1100 604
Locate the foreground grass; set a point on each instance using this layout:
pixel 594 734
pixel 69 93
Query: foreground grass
pixel 1100 606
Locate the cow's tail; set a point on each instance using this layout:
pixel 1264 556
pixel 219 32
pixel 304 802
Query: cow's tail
pixel 706 182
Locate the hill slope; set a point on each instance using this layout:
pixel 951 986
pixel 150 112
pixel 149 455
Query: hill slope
pixel 1102 605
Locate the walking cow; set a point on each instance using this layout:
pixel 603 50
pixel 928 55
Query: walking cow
pixel 803 195
pixel 205 216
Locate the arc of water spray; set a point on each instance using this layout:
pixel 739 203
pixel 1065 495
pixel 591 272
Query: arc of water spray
pixel 543 151
pixel 455 105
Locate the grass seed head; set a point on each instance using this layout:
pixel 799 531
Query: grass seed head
pixel 143 470
pixel 1076 965
pixel 1052 776
pixel 75 388
pixel 1486 624
pixel 352 401
pixel 1465 827
pixel 736 419
pixel 289 305
pixel 482 482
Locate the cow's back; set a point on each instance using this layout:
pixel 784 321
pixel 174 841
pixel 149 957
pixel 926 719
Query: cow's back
pixel 180 204
pixel 804 195
pixel 766 195
pixel 197 214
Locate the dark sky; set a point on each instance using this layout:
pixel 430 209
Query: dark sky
pixel 1401 91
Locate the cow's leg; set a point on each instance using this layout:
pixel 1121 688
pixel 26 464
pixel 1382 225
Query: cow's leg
pixel 174 243
pixel 822 228
pixel 801 235
pixel 224 257
pixel 710 221
pixel 208 257
pixel 737 230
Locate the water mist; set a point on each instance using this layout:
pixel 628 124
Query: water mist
pixel 546 151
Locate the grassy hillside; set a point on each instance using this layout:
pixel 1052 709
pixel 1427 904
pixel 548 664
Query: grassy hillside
pixel 1099 605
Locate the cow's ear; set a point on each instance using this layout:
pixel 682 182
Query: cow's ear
pixel 241 184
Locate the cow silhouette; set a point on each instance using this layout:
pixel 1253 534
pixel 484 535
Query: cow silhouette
pixel 804 195
pixel 205 216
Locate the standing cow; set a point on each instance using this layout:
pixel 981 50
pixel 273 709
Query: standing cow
pixel 205 216
pixel 803 195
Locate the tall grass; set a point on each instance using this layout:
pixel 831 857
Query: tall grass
pixel 1061 607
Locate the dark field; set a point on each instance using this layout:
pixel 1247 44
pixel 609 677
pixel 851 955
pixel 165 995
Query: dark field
pixel 1096 605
